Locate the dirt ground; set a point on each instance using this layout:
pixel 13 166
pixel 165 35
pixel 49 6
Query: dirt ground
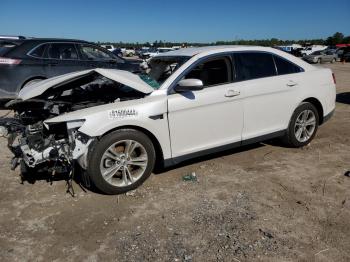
pixel 260 203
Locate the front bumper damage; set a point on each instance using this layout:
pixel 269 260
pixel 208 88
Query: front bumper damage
pixel 37 151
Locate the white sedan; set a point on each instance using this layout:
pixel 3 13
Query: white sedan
pixel 117 125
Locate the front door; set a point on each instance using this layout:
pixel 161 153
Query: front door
pixel 209 118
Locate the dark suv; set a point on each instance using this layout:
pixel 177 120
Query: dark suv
pixel 25 61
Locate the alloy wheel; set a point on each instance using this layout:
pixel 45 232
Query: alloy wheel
pixel 305 125
pixel 123 163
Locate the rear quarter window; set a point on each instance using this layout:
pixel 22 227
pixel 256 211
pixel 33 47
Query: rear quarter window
pixel 285 67
pixel 38 51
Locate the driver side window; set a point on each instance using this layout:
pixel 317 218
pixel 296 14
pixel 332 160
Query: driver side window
pixel 215 71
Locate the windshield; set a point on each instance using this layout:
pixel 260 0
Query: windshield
pixel 160 68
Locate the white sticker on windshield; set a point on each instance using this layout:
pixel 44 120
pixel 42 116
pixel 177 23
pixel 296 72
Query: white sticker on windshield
pixel 121 113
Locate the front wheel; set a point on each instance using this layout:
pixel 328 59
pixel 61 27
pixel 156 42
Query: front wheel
pixel 121 161
pixel 302 126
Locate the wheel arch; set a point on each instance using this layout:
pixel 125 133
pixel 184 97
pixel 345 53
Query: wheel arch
pixel 314 101
pixel 150 135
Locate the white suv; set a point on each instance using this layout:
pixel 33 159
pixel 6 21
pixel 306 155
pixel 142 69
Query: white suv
pixel 190 102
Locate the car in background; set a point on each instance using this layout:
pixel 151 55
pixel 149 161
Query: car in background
pixel 155 51
pixel 344 54
pixel 139 52
pixel 319 57
pixel 27 61
pixel 118 52
pixel 128 52
pixel 165 49
pixel 108 47
pixel 291 49
pixel 310 49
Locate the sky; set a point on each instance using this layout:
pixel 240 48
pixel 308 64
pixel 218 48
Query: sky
pixel 176 20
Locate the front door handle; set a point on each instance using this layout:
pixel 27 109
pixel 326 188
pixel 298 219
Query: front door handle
pixel 232 93
pixel 291 83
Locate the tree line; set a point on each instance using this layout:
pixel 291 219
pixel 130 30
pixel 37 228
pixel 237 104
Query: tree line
pixel 337 38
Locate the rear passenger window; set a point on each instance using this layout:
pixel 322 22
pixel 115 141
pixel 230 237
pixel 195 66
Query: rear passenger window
pixel 38 51
pixel 285 67
pixel 93 53
pixel 253 65
pixel 213 72
pixel 62 51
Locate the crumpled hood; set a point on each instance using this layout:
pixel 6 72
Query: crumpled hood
pixel 121 76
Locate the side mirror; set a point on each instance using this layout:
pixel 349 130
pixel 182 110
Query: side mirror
pixel 190 84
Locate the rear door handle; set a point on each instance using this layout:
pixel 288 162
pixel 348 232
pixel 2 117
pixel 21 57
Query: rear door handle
pixel 291 83
pixel 232 93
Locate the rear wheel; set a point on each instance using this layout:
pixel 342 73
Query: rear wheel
pixel 121 161
pixel 302 126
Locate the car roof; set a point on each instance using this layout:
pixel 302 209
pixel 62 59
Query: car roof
pixel 23 46
pixel 52 40
pixel 191 51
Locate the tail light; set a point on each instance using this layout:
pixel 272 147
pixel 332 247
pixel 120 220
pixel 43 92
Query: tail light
pixel 334 80
pixel 9 61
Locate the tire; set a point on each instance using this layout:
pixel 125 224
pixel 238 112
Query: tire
pixel 333 60
pixel 319 61
pixel 128 170
pixel 296 138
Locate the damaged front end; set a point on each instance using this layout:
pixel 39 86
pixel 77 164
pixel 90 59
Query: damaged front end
pixel 51 148
pixel 54 147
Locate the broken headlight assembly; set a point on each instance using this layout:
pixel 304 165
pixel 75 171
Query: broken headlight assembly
pixel 52 147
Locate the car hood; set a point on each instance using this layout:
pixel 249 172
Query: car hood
pixel 121 76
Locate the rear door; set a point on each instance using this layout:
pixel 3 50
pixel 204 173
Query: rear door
pixel 270 85
pixel 62 58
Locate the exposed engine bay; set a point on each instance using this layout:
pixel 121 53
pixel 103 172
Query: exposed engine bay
pixel 54 147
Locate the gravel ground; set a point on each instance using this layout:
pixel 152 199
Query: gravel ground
pixel 259 203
